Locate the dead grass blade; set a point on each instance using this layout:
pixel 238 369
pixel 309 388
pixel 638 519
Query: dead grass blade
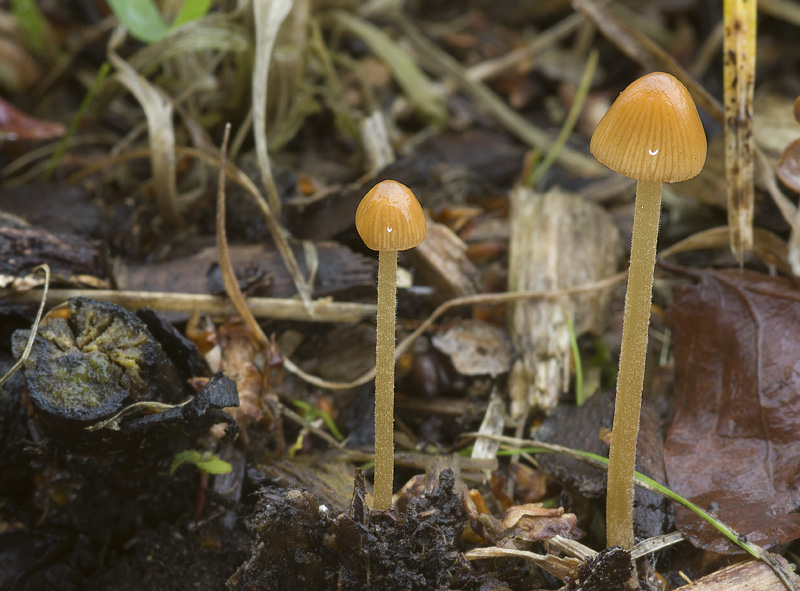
pixel 419 90
pixel 235 174
pixel 766 175
pixel 643 481
pixel 158 111
pixel 226 268
pixel 218 32
pixel 268 15
pixel 24 357
pixel 768 247
pixel 225 265
pixel 786 10
pixel 438 61
pixel 559 567
pixel 641 49
pixel 492 68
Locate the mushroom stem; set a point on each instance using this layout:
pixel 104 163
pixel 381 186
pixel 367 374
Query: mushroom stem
pixel 384 380
pixel 630 381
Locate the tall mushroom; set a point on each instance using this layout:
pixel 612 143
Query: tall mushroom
pixel 389 218
pixel 651 133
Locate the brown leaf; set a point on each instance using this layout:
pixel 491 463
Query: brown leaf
pixel 734 447
pixel 475 348
pixel 534 523
pixel 14 124
pixel 789 166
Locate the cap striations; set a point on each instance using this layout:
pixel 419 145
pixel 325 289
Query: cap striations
pixel 389 217
pixel 652 132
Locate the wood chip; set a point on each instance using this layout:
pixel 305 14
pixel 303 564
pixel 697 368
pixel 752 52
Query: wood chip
pixel 442 263
pixel 743 577
pixel 557 240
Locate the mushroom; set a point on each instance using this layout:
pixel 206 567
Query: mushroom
pixel 651 133
pixel 389 218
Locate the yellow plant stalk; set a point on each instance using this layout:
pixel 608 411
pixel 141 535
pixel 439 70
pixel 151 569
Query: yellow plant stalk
pixel 739 72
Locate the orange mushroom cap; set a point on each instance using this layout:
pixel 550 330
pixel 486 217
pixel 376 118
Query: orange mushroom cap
pixel 652 132
pixel 389 217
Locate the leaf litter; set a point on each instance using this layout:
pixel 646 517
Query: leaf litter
pixel 732 447
pixel 309 100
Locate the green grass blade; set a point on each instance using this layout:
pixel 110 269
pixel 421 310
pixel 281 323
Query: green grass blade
pixel 312 413
pixel 576 357
pixel 569 123
pixel 102 73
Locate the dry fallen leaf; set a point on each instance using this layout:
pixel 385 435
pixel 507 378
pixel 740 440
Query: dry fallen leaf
pixel 14 124
pixel 475 348
pixel 734 444
pixel 789 166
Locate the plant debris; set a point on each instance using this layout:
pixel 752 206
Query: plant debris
pixel 88 359
pixel 194 168
pixel 302 543
pixel 736 350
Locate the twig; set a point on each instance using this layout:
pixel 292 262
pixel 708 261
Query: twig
pixel 488 69
pixel 443 64
pixel 34 328
pixel 650 484
pixel 278 308
pixel 639 48
pixel 484 299
pixel 296 418
pixel 235 174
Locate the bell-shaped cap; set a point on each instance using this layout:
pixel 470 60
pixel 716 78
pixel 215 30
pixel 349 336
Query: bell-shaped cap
pixel 389 217
pixel 652 132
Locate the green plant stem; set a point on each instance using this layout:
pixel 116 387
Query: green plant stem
pixel 622 457
pixel 569 123
pixel 576 359
pixel 384 380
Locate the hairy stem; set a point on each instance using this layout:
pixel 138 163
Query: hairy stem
pixel 384 380
pixel 622 458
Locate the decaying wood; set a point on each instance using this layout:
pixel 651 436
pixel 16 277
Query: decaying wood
pixel 443 263
pixel 22 249
pixel 557 240
pixel 493 422
pixel 745 576
pixel 340 271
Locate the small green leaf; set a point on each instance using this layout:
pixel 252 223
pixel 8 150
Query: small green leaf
pixel 141 18
pixel 312 413
pixel 204 460
pixel 214 465
pixel 191 10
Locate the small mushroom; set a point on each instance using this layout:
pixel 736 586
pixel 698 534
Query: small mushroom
pixel 651 133
pixel 389 218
